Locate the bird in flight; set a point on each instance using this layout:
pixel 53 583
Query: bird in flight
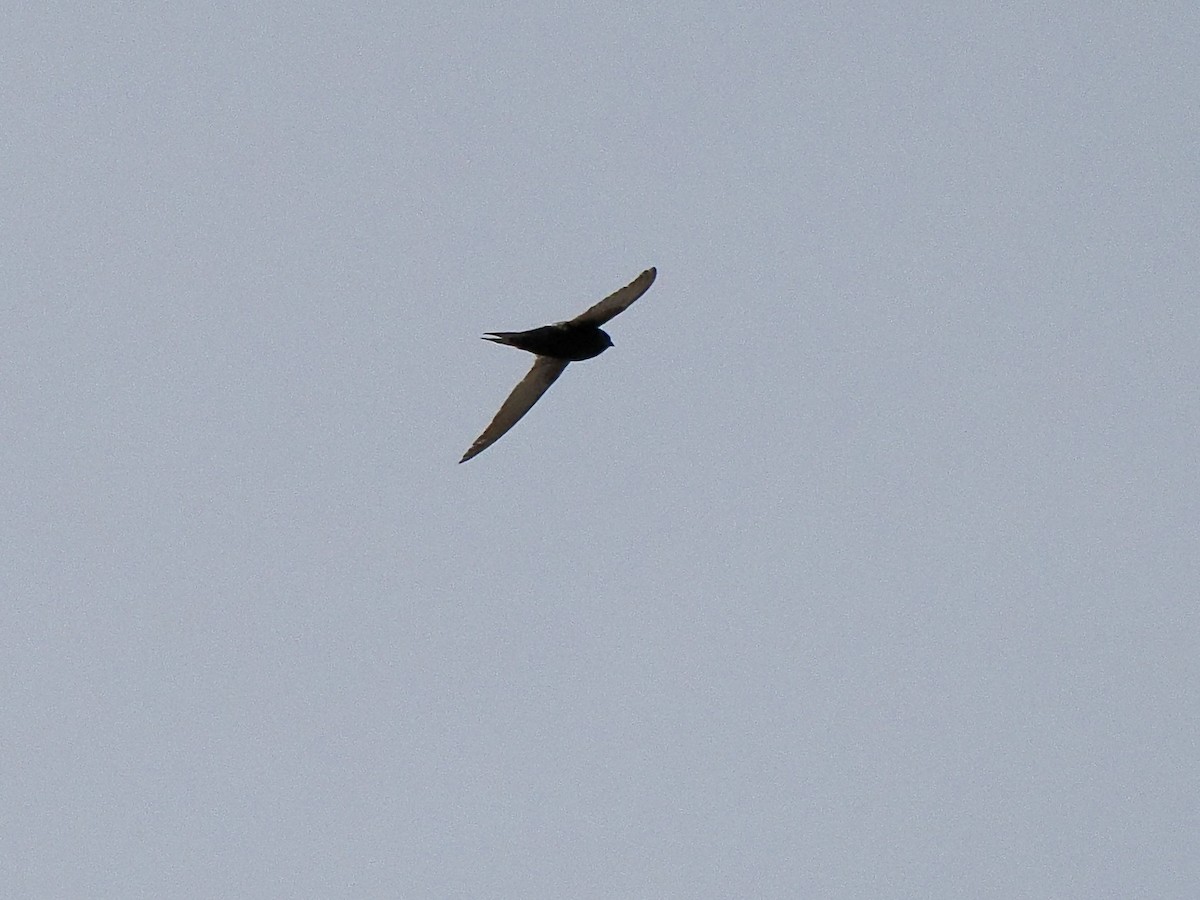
pixel 555 346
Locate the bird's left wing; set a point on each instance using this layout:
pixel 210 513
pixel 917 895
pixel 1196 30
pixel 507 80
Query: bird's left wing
pixel 543 374
pixel 618 302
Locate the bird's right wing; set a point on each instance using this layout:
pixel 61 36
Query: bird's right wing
pixel 617 302
pixel 543 374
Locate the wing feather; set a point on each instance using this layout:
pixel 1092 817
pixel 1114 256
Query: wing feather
pixel 617 302
pixel 530 389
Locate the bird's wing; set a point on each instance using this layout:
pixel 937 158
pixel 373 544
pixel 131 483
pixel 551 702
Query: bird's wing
pixel 616 303
pixel 519 402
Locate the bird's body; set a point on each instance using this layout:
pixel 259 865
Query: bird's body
pixel 555 346
pixel 562 341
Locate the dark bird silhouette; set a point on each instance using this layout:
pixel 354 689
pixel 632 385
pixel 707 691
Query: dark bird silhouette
pixel 555 346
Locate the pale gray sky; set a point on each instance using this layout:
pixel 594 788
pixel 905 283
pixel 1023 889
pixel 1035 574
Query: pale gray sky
pixel 866 564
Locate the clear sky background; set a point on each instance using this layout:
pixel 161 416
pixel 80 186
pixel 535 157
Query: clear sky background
pixel 866 564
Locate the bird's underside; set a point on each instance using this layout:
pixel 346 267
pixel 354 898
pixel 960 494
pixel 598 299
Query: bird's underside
pixel 561 341
pixel 555 347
